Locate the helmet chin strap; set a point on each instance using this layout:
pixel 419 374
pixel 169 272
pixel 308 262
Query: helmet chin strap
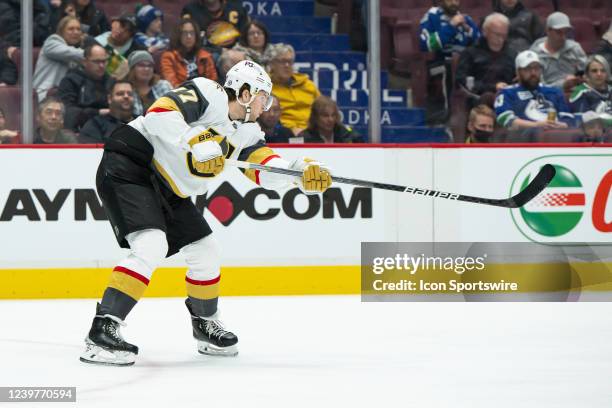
pixel 247 107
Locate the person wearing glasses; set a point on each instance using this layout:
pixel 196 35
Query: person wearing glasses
pixel 254 41
pixel 83 90
pixel 295 91
pixel 148 86
pixel 186 58
pixel 149 171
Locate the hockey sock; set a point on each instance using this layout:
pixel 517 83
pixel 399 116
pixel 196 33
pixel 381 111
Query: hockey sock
pixel 204 295
pixel 124 290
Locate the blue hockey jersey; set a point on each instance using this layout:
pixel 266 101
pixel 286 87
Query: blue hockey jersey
pixel 439 36
pixel 519 102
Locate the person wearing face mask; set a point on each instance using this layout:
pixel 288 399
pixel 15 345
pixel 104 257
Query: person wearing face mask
pixel 595 94
pixel 481 125
pixel 530 104
pixel 150 169
pixel 325 124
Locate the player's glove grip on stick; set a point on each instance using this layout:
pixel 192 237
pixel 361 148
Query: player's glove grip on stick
pixel 208 157
pixel 316 178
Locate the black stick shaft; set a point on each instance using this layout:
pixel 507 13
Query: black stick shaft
pixel 534 188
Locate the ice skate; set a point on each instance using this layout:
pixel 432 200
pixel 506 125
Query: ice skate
pixel 212 337
pixel 104 344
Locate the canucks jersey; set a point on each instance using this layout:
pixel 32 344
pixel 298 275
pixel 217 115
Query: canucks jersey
pixel 196 112
pixel 585 99
pixel 439 36
pixel 518 102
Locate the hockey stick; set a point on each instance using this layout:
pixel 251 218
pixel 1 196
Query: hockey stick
pixel 539 183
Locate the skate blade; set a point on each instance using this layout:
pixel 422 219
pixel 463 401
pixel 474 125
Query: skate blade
pixel 211 350
pixel 97 355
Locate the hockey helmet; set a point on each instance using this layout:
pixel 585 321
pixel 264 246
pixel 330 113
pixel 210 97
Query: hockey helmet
pixel 251 73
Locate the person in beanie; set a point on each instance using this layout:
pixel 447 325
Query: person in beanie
pixel 149 22
pixel 148 86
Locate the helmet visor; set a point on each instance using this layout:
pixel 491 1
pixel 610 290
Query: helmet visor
pixel 268 102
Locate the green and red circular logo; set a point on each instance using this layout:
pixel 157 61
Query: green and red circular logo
pixel 559 208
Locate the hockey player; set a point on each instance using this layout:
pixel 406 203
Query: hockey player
pixel 150 168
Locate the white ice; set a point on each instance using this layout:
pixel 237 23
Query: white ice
pixel 324 351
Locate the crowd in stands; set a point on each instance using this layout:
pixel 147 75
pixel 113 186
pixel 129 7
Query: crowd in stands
pixel 512 71
pixel 530 77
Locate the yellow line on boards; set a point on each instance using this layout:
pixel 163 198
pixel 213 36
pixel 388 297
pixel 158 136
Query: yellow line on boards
pixel 170 282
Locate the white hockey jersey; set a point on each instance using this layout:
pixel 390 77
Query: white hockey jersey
pixel 195 112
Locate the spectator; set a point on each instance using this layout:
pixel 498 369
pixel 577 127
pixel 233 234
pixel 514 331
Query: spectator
pixel 7 136
pixel 50 120
pixel 594 128
pixel 530 104
pixel 83 90
pixel 481 125
pixel 595 94
pixel 119 43
pixel 271 126
pixel 254 41
pixel 8 69
pixel 210 16
pixel 295 92
pixel 147 85
pixel 444 30
pixel 60 9
pixel 93 20
pixel 186 59
pixel 605 47
pixel 121 106
pixel 487 66
pixel 60 52
pixel 228 59
pixel 525 25
pixel 561 58
pixel 10 22
pixel 150 35
pixel 325 125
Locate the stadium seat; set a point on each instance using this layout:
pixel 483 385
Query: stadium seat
pixel 10 102
pixel 16 58
pixel 585 34
pixel 541 7
pixel 408 58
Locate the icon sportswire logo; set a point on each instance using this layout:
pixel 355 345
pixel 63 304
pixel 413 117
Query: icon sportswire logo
pixel 577 204
pixel 559 208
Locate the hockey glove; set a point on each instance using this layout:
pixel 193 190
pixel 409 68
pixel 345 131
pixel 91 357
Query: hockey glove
pixel 316 178
pixel 208 157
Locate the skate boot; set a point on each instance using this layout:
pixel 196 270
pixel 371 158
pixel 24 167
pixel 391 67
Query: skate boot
pixel 212 337
pixel 104 344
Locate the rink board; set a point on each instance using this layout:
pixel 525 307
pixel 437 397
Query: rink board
pixel 56 242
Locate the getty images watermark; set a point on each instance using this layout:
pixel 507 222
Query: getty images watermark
pixel 426 271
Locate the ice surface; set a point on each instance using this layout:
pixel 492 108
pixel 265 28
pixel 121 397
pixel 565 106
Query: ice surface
pixel 324 351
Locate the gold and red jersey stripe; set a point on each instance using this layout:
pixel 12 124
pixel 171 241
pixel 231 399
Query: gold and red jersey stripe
pixel 129 282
